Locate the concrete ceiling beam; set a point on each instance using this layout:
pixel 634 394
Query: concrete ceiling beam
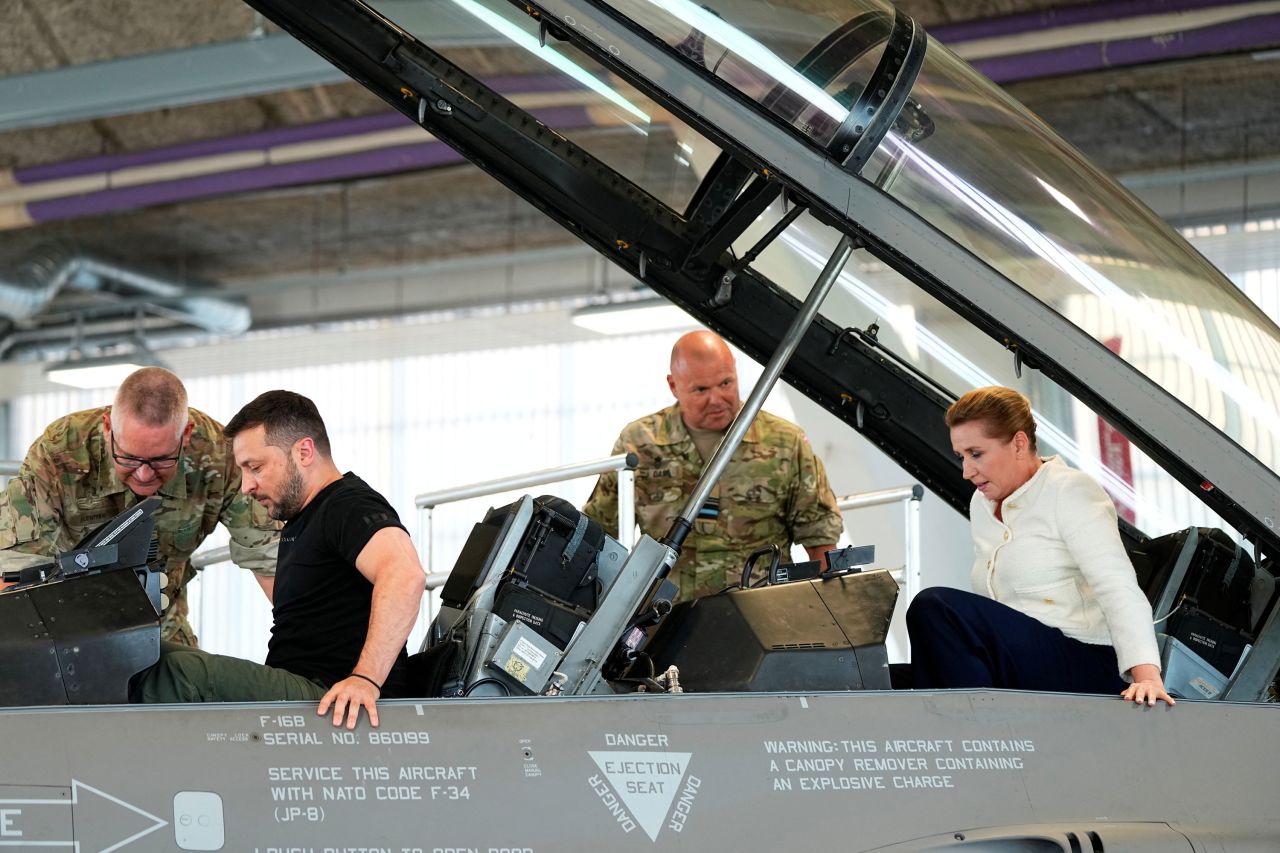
pixel 204 74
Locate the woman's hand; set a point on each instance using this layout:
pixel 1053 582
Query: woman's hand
pixel 1147 686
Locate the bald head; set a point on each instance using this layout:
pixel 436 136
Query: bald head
pixel 704 380
pixel 699 348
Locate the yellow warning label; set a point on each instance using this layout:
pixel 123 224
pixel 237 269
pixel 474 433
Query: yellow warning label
pixel 517 668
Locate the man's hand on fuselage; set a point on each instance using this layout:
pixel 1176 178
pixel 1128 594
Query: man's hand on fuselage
pixel 348 696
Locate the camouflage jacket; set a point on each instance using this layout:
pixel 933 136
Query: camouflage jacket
pixel 67 486
pixel 774 491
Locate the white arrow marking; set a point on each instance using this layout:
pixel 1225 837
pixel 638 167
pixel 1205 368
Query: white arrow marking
pixel 76 787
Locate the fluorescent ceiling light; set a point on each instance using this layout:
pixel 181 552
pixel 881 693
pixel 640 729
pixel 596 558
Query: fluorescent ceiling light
pixel 632 318
pixel 551 57
pixel 93 373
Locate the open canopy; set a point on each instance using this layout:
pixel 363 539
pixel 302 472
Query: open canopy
pixel 717 151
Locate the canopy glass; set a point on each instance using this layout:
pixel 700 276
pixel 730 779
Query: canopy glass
pixel 975 165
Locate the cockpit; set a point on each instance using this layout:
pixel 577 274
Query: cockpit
pixel 724 154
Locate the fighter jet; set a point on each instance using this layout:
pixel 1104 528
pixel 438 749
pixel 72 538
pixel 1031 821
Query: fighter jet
pixel 852 205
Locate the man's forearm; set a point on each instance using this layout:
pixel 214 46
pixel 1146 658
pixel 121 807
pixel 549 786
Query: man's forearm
pixel 816 552
pixel 397 595
pixel 268 584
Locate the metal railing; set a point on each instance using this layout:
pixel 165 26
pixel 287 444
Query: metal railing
pixel 426 503
pixel 909 497
pixel 211 557
pixel 623 463
pixel 9 467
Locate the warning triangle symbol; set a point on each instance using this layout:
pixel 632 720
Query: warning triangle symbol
pixel 646 782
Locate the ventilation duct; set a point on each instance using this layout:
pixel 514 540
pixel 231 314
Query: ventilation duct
pixel 56 268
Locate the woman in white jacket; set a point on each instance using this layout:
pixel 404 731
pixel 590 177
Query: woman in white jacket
pixel 1056 605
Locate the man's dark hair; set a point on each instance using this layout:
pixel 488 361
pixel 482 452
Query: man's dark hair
pixel 286 417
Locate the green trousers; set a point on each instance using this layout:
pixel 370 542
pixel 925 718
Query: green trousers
pixel 184 674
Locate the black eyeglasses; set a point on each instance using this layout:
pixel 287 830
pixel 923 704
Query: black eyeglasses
pixel 133 463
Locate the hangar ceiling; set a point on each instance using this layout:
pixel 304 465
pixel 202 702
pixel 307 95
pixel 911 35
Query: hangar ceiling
pixel 1188 104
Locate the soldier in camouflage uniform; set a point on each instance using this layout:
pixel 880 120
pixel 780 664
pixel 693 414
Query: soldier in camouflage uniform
pixel 82 472
pixel 774 490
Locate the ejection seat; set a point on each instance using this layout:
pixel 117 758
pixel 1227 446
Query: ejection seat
pixel 1209 601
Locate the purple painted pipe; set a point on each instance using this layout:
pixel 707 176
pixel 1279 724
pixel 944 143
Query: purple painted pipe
pixel 396 159
pixel 206 147
pixel 1263 30
pixel 401 158
pixel 1071 16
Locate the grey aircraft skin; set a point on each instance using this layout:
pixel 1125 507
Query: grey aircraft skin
pixel 957 242
pixel 843 771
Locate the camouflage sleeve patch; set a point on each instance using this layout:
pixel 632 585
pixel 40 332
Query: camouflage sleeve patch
pixel 24 517
pixel 255 537
pixel 815 519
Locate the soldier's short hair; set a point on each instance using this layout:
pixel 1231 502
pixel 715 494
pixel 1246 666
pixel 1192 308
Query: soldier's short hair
pixel 285 417
pixel 154 396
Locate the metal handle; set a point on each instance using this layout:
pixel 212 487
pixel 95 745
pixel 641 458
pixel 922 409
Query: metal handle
pixel 623 461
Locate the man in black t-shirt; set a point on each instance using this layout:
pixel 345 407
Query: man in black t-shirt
pixel 348 580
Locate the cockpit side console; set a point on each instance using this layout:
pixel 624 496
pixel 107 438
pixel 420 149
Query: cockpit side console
pixel 553 605
pixel 822 634
pixel 73 631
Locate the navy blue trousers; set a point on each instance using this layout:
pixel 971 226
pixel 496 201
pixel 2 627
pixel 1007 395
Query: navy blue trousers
pixel 959 639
